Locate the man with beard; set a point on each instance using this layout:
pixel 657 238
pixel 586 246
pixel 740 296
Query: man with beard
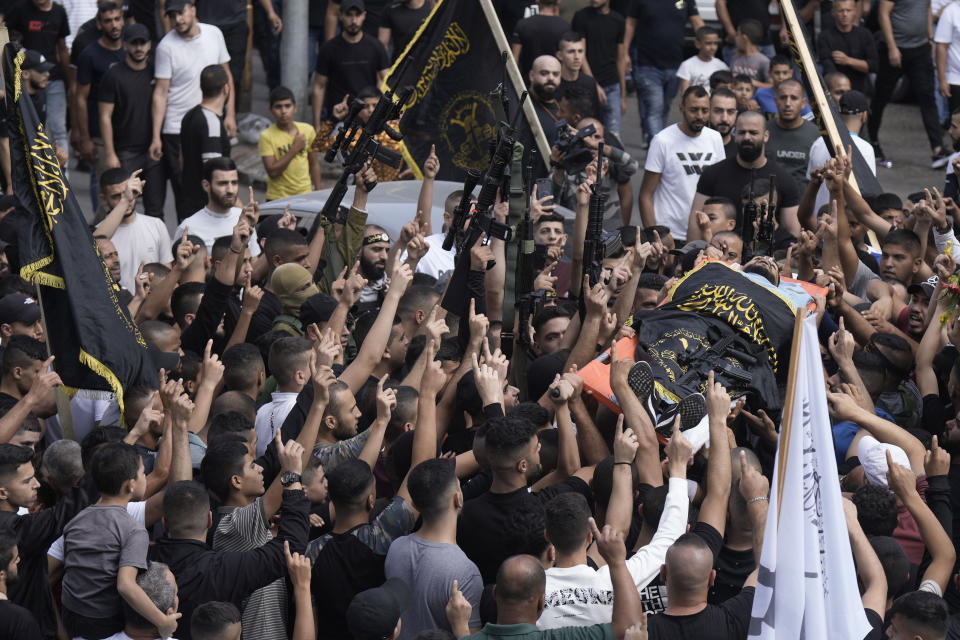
pixel 220 216
pixel 347 63
pixel 373 263
pixel 16 622
pixel 723 113
pixel 188 48
pixel 790 135
pixel 202 134
pixel 676 157
pixel 544 81
pixel 513 453
pixel 94 61
pixel 139 239
pixel 728 177
pixel 125 119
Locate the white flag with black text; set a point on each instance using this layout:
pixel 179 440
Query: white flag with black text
pixel 807 587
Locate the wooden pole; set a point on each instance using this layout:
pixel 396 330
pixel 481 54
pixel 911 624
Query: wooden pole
pixel 787 422
pixel 825 121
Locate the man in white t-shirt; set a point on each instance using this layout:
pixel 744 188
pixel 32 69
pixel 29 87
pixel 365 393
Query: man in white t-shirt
pixel 181 56
pixel 676 157
pixel 853 109
pixel 220 216
pixel 436 261
pixel 138 238
pixel 947 37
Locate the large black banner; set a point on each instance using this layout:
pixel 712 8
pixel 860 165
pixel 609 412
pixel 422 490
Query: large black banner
pixel 454 63
pixel 96 344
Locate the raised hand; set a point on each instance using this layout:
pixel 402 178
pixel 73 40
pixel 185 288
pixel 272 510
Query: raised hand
pixel 625 443
pixel 386 400
pixel 431 166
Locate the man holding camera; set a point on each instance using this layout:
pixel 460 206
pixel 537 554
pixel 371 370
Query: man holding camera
pixel 571 156
pixel 675 160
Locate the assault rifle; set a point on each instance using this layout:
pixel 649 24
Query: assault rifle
pixel 750 211
pixel 526 297
pixel 593 246
pixel 365 148
pixel 768 212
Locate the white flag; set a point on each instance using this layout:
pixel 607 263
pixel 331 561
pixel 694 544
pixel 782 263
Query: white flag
pixel 807 586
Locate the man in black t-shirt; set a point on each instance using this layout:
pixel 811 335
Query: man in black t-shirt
pixel 93 62
pixel 656 28
pixel 43 27
pixel 538 35
pixel 571 54
pixel 400 22
pixel 728 177
pixel 606 57
pixel 230 16
pixel 16 623
pixel 36 71
pixel 202 134
pixel 513 451
pixel 347 63
pixel 688 572
pixel 847 47
pixel 126 119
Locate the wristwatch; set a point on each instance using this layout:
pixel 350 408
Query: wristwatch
pixel 287 478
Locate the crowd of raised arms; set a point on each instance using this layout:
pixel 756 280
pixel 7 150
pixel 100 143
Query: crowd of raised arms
pixel 331 454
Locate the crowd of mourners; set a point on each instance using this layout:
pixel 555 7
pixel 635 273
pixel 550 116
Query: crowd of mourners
pixel 331 454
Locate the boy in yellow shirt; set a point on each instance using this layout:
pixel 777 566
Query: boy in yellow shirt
pixel 285 149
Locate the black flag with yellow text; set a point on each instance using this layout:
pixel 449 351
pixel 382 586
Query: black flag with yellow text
pixel 454 63
pixel 96 344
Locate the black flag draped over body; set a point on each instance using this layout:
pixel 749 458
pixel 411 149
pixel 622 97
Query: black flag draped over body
pixel 96 344
pixel 453 62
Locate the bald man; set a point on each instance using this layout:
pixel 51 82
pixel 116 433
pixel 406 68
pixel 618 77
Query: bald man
pixel 728 177
pixel 688 574
pixel 519 593
pixel 544 81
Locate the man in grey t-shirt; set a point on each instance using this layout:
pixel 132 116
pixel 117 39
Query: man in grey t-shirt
pixel 430 560
pixel 790 135
pixel 905 49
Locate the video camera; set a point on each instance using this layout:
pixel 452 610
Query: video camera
pixel 576 155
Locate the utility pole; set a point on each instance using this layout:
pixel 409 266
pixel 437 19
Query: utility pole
pixel 294 71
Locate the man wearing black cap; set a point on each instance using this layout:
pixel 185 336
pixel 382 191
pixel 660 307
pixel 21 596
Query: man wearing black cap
pixel 44 26
pixel 93 63
pixel 19 316
pixel 125 118
pixel 35 71
pixel 374 614
pixel 853 109
pixel 348 63
pixel 182 54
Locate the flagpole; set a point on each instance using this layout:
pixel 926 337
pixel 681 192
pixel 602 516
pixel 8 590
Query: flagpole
pixel 826 123
pixel 519 85
pixel 786 422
